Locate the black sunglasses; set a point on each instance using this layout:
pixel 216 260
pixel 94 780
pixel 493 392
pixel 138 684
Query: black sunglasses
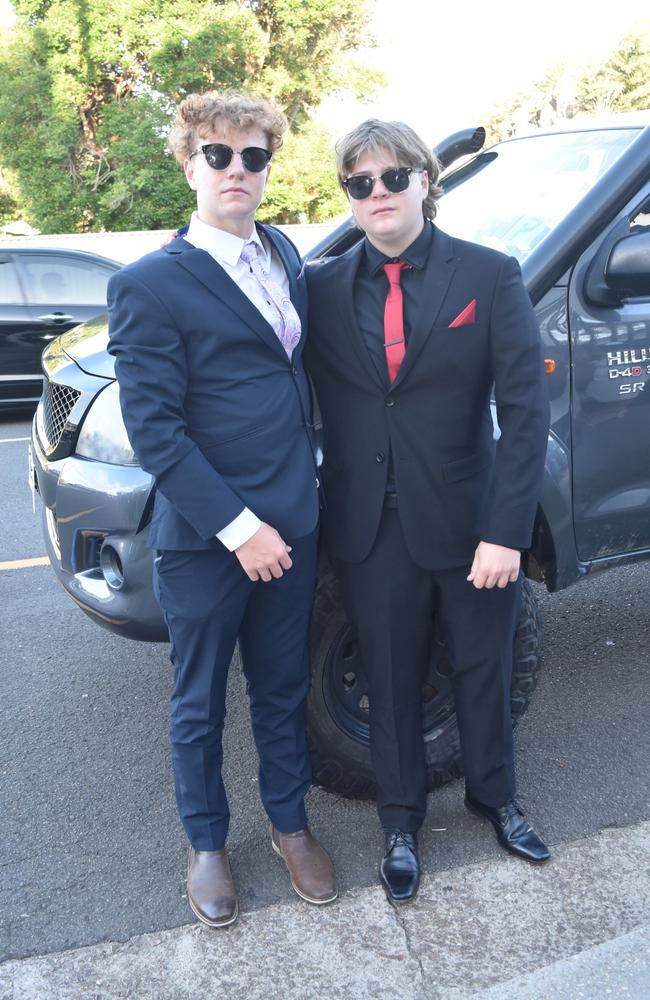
pixel 218 156
pixel 360 186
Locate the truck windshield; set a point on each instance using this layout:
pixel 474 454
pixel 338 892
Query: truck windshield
pixel 527 186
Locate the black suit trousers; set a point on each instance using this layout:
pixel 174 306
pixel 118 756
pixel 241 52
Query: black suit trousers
pixel 390 602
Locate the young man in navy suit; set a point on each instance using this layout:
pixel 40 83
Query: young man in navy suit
pixel 207 335
pixel 409 331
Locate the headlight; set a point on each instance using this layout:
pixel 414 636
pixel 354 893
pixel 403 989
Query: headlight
pixel 103 435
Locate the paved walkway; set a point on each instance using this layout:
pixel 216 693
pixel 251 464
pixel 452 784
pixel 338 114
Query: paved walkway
pixel 576 928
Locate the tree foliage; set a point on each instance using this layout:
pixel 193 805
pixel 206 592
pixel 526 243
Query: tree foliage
pixel 89 87
pixel 621 83
pixel 8 203
pixel 303 174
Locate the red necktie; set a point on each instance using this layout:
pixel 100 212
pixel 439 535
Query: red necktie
pixel 394 319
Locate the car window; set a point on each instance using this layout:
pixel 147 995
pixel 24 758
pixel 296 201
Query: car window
pixel 10 293
pixel 528 186
pixel 62 281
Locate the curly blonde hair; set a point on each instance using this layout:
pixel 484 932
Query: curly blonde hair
pixel 201 114
pixel 399 139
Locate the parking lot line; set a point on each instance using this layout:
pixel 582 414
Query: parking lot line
pixel 9 440
pixel 24 563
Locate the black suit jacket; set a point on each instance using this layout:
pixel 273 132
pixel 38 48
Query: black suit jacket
pixel 455 487
pixel 213 407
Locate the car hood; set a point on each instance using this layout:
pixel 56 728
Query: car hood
pixel 86 346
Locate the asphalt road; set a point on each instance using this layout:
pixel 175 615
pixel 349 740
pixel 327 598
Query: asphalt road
pixel 90 845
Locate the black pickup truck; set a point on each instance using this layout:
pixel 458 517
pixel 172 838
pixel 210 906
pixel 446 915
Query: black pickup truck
pixel 573 206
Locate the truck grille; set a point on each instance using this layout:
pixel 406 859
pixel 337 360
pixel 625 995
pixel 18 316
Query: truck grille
pixel 58 401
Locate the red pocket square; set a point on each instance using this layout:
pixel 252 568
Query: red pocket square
pixel 468 315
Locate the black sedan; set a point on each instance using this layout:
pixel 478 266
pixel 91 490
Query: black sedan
pixel 43 292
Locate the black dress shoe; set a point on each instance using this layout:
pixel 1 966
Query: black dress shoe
pixel 400 868
pixel 512 829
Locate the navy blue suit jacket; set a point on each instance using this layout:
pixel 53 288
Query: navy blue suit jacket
pixel 213 407
pixel 455 487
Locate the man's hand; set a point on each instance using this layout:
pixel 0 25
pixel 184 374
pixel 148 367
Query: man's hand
pixel 168 239
pixel 494 566
pixel 264 556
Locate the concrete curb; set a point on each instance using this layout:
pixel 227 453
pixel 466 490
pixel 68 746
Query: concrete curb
pixel 492 930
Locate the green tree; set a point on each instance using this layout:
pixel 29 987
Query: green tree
pixel 89 87
pixel 303 184
pixel 623 81
pixel 8 203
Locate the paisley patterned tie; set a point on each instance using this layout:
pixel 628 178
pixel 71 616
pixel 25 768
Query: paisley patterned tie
pixel 280 313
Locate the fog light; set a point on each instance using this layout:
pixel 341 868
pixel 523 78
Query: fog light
pixel 111 566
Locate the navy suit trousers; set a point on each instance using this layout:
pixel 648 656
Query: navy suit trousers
pixel 209 602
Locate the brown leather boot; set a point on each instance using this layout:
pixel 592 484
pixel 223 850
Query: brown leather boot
pixel 210 887
pixel 310 868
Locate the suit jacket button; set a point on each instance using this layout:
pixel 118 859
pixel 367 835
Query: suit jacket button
pixel 294 370
pixel 389 401
pixel 380 456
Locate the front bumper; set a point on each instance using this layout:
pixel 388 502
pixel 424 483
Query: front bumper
pixel 95 529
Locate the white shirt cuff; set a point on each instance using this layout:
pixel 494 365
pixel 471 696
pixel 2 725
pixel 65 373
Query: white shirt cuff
pixel 240 530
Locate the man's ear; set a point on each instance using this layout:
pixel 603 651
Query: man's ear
pixel 188 167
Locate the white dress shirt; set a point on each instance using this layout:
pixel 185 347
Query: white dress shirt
pixel 226 250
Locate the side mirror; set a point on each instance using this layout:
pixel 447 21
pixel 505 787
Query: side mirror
pixel 628 268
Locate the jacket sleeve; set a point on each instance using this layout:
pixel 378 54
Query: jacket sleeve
pixel 151 369
pixel 522 412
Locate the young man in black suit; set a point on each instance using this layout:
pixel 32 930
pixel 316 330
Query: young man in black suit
pixel 408 333
pixel 207 335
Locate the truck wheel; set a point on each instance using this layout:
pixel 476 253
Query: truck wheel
pixel 337 706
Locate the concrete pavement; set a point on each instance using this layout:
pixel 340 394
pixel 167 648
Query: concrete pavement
pixel 578 927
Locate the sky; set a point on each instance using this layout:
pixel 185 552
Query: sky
pixel 449 66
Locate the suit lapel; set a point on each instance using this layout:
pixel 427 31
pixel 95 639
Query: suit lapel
pixel 205 269
pixel 438 273
pixel 291 263
pixel 437 277
pixel 297 284
pixel 344 297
